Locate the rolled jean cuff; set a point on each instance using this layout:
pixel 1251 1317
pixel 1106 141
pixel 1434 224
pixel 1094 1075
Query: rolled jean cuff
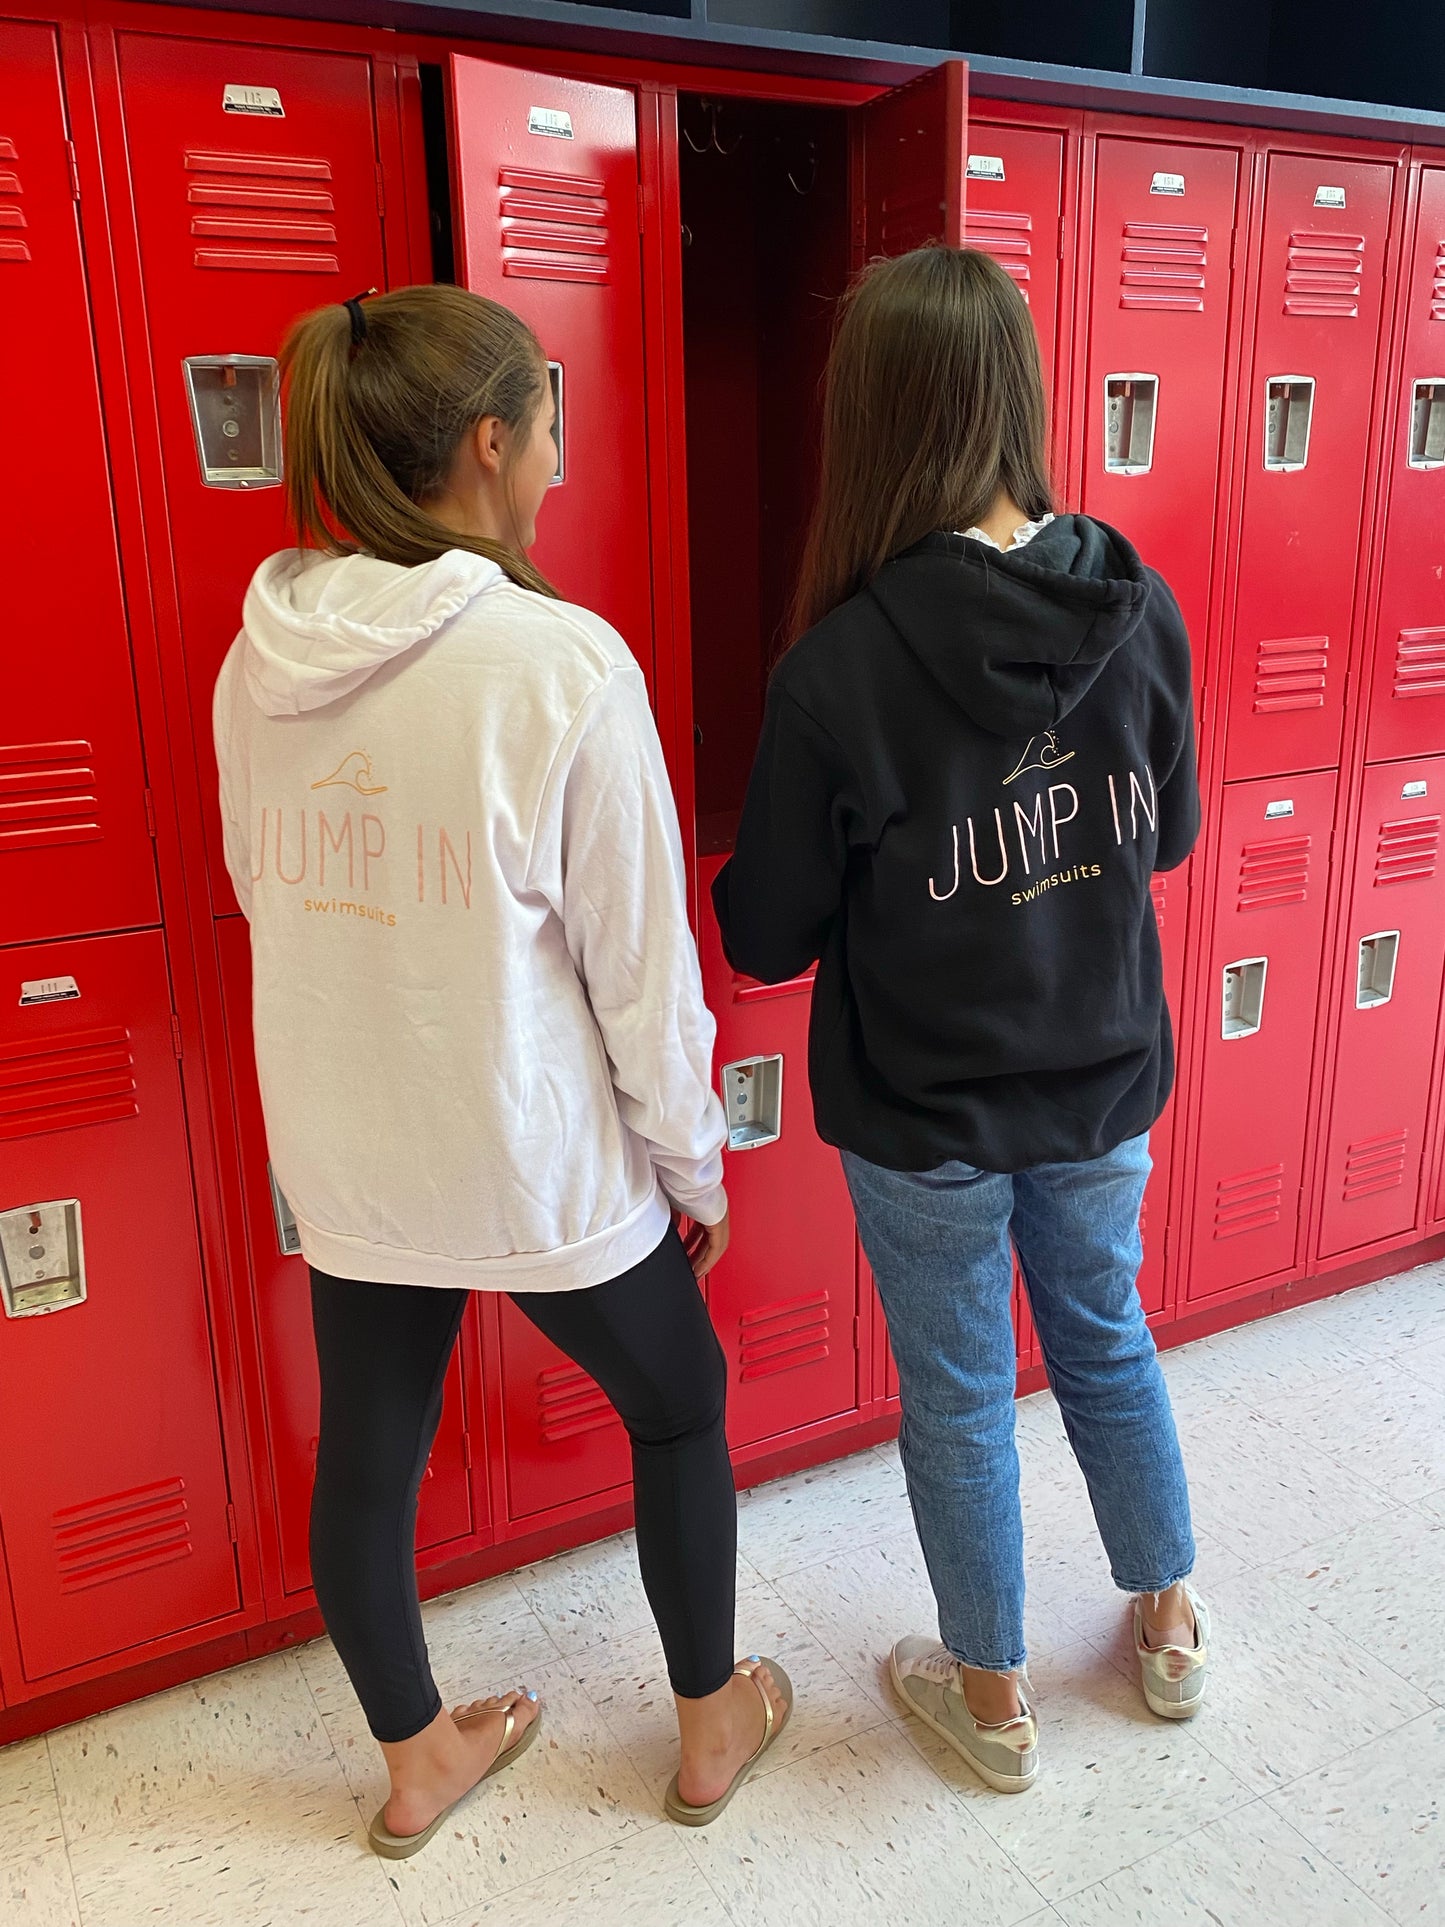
pixel 990 1666
pixel 1152 1586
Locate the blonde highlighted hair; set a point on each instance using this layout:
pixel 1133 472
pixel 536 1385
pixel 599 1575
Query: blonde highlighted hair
pixel 373 424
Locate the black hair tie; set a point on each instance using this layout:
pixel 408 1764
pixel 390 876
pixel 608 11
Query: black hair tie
pixel 358 318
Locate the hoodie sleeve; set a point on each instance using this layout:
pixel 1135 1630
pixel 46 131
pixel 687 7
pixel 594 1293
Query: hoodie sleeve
pixel 623 904
pixel 777 898
pixel 1178 776
pixel 235 785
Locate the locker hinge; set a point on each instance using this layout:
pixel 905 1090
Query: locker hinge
pixel 74 171
pixel 231 1525
pixel 150 803
pixel 1063 234
pixel 380 189
pixel 467 1450
pixel 641 208
pixel 176 1034
pixel 857 1331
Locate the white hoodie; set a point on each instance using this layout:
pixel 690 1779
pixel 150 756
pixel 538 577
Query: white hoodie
pixel 484 1054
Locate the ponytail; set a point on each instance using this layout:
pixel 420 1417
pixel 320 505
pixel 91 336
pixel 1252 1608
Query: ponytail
pixel 378 398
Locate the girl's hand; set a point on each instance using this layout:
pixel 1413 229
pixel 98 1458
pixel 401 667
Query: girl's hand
pixel 703 1243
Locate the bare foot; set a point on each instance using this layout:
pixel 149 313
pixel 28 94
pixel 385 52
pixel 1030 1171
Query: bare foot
pixel 435 1768
pixel 720 1733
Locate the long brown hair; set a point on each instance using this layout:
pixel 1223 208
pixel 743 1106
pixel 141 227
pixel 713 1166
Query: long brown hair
pixel 933 407
pixel 373 425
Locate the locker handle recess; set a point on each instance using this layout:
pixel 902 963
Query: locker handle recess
pixel 1243 1012
pixel 288 1238
pixel 752 1094
pixel 1375 975
pixel 1131 403
pixel 1427 423
pixel 235 403
pixel 554 375
pixel 42 1258
pixel 1289 406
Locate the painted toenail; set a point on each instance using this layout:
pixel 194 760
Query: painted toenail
pixel 531 1695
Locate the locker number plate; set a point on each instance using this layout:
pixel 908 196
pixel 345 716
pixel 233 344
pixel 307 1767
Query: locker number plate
pixel 253 100
pixel 555 122
pixel 49 990
pixel 1167 184
pixel 1329 197
pixel 985 167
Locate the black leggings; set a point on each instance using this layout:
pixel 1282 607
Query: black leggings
pixel 384 1350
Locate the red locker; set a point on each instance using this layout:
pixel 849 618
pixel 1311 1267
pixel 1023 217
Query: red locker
pixel 563 1441
pixel 113 1495
pixel 1170 892
pixel 548 214
pixel 1015 212
pixel 1407 695
pixel 785 1298
pixel 1394 955
pixel 75 851
pixel 283 1308
pixel 1258 1044
pixel 1305 456
pixel 256 187
pixel 912 144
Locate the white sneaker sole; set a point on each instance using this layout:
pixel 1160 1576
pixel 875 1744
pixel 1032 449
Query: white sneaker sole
pixel 1000 1782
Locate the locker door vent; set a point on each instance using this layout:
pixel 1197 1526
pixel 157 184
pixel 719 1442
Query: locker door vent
pixel 1160 894
pixel 570 1403
pixel 12 216
pixel 1420 660
pixel 1249 1201
pixel 1291 673
pixel 1375 1164
pixel 1163 266
pixel 87 1077
pixel 1007 237
pixel 126 1533
pixel 778 1338
pixel 1437 292
pixel 908 220
pixel 1408 850
pixel 1274 872
pixel 257 198
pixel 1324 273
pixel 553 228
pixel 47 795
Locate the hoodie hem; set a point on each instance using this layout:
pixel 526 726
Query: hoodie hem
pixel 575 1267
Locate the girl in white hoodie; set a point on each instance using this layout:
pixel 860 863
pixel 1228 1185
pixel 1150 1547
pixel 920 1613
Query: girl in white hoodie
pixel 483 1050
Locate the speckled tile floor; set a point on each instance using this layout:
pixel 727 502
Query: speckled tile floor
pixel 1308 1793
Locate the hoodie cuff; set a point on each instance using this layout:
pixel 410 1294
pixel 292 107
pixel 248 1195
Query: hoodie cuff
pixel 708 1208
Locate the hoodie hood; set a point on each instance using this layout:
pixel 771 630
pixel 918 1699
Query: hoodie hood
pixel 314 627
pixel 1017 639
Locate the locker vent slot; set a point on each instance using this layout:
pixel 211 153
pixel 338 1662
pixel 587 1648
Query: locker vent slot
pixel 1437 292
pixel 115 1537
pixel 1160 895
pixel 1250 1201
pixel 1163 265
pixel 778 1338
pixel 1375 1164
pixel 569 1403
pixel 12 216
pixel 1274 873
pixel 47 795
pixel 908 221
pixel 1324 273
pixel 1007 237
pixel 553 228
pixel 1420 661
pixel 1408 850
pixel 248 199
pixel 1290 673
pixel 87 1077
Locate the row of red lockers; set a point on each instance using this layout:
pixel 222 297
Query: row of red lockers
pixel 1257 393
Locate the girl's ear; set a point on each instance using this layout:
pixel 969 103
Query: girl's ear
pixel 489 443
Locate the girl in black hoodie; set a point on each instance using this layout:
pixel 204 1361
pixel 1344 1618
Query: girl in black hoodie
pixel 974 756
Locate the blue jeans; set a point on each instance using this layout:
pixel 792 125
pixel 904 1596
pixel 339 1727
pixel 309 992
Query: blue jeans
pixel 938 1242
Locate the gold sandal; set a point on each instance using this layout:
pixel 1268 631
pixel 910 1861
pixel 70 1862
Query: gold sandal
pixel 400 1846
pixel 689 1816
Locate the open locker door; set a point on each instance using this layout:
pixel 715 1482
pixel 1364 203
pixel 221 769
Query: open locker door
pixel 910 147
pixel 545 187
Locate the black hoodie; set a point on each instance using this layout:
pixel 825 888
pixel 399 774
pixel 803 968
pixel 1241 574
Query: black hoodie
pixel 966 776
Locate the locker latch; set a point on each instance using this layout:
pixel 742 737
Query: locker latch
pixel 235 405
pixel 1427 424
pixel 1375 976
pixel 554 375
pixel 288 1238
pixel 42 1258
pixel 1243 1012
pixel 1130 406
pixel 752 1092
pixel 1289 403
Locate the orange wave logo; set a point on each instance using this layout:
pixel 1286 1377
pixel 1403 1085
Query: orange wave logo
pixel 354 772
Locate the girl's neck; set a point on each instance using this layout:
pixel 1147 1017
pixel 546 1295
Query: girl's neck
pixel 1003 521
